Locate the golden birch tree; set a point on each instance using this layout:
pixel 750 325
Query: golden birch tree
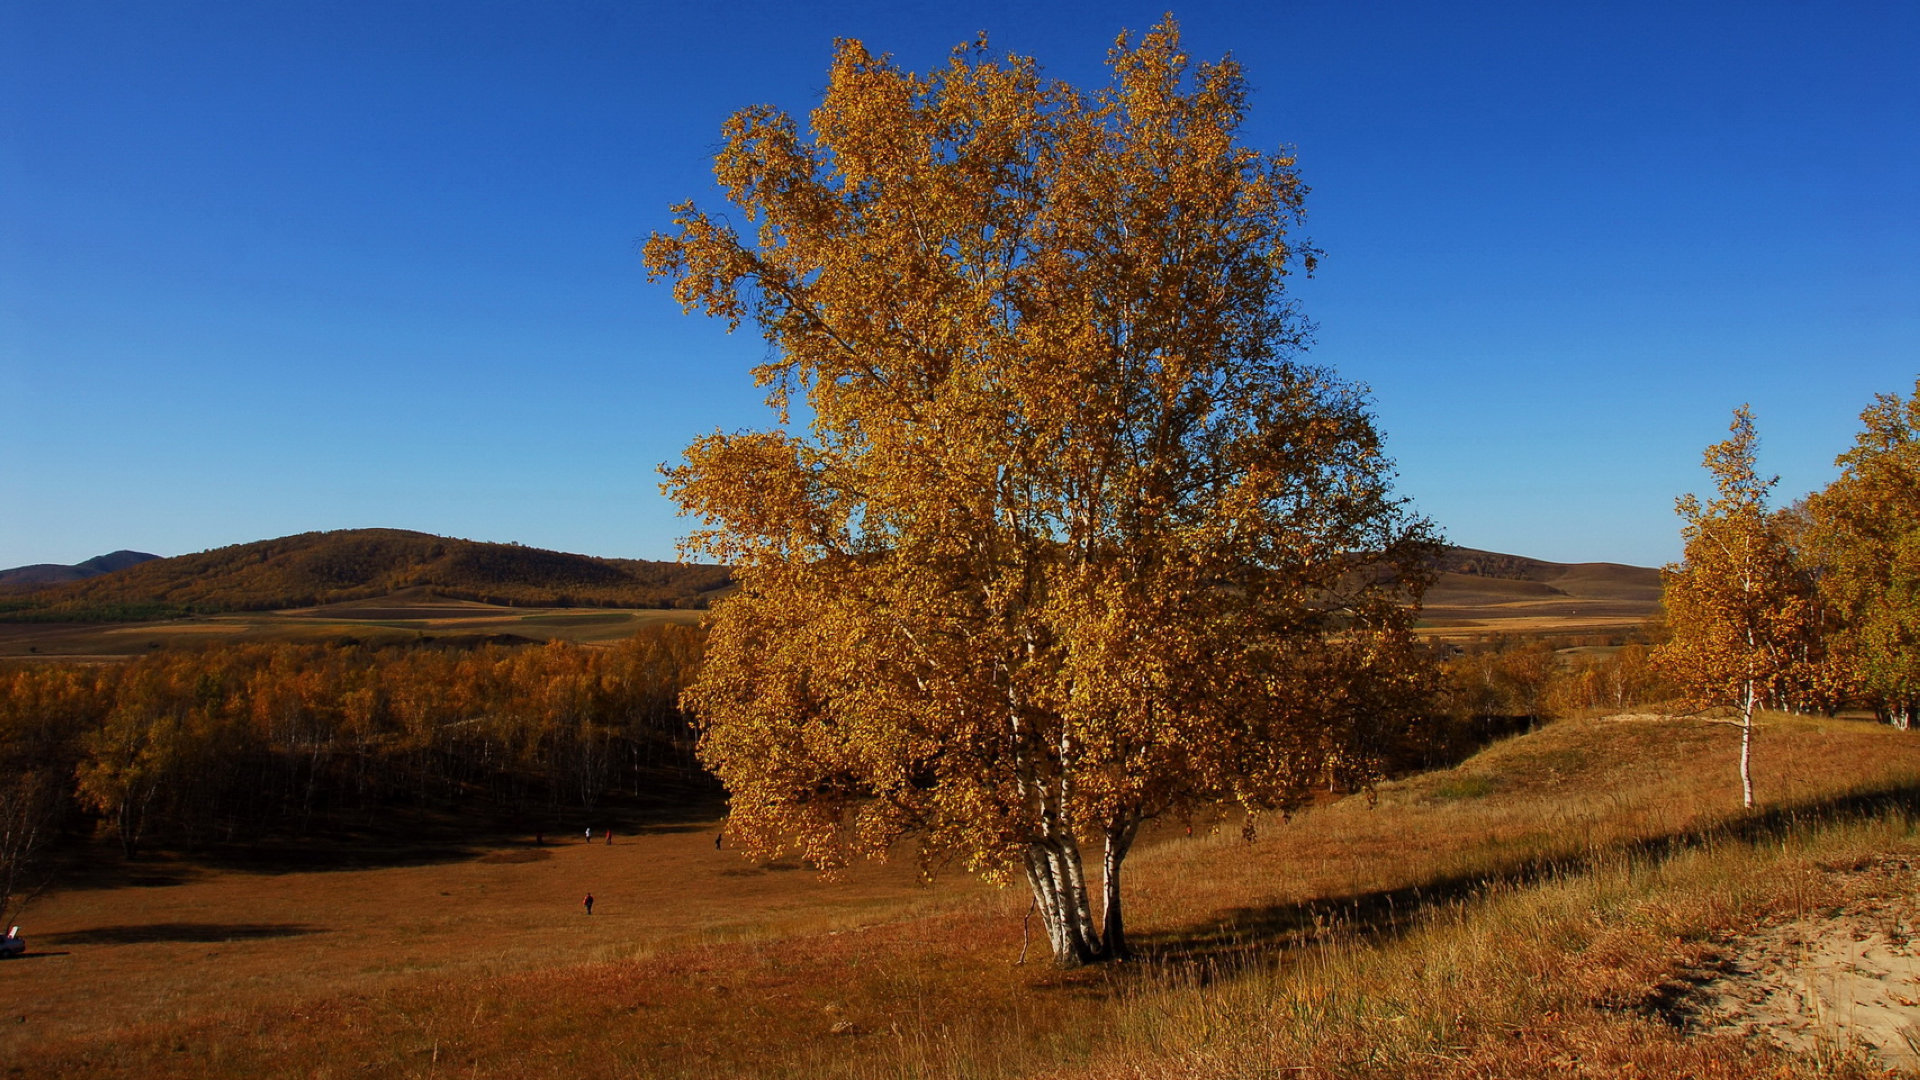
pixel 1071 538
pixel 1741 609
pixel 1864 529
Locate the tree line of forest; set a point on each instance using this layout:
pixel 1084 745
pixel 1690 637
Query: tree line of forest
pixel 1812 607
pixel 331 567
pixel 240 743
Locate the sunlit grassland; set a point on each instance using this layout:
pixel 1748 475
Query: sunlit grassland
pixel 377 623
pixel 1526 913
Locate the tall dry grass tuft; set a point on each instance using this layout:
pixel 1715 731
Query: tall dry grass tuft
pixel 1565 889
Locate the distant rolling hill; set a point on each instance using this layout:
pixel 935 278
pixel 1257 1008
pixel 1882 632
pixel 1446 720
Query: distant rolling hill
pixel 1475 590
pixel 357 564
pixel 1488 590
pixel 55 573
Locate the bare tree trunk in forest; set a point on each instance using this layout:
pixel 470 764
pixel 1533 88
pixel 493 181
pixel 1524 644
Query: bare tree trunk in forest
pixel 31 803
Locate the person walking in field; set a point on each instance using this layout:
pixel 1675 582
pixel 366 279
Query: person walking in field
pixel 609 833
pixel 588 903
pixel 589 834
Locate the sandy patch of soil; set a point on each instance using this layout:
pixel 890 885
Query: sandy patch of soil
pixel 1842 983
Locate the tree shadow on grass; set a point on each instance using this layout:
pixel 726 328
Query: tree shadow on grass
pixel 198 933
pixel 760 869
pixel 1243 937
pixel 100 865
pixel 396 838
pixel 656 830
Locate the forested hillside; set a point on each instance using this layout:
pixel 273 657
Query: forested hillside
pixel 329 567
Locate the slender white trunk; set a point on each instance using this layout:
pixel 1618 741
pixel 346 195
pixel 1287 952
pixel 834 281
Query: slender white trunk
pixel 1746 747
pixel 1076 905
pixel 1746 703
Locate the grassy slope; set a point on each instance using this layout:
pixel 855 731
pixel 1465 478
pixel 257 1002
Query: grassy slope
pixel 1524 914
pixel 332 567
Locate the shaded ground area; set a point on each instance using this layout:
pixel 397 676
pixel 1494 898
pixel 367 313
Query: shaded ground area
pixel 179 931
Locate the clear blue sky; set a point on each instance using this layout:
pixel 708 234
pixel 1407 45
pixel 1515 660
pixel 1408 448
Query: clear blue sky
pixel 272 267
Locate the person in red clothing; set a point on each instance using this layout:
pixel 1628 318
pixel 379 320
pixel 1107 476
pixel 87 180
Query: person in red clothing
pixel 588 903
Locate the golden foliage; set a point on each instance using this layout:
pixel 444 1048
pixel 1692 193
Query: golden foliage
pixel 1864 535
pixel 1743 613
pixel 238 741
pixel 1070 539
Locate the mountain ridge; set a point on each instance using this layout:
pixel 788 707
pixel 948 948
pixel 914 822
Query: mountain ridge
pixel 38 574
pixel 313 568
pixel 1467 568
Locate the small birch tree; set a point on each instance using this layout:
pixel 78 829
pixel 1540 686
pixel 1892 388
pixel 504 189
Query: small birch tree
pixel 1741 610
pixel 1072 539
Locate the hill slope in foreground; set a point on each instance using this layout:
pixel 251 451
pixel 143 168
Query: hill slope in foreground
pixel 1561 905
pixel 359 564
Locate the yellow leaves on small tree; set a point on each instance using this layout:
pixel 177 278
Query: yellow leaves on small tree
pixel 1742 611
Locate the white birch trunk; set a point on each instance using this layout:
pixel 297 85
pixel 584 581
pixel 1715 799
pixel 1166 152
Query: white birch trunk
pixel 1746 747
pixel 1060 892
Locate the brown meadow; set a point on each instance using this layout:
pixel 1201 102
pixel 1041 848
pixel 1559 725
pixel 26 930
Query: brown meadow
pixel 1529 912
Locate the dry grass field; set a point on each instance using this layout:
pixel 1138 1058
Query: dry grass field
pixel 1537 911
pixel 401 619
pixel 1578 598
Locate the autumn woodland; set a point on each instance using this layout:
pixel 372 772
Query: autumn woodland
pixel 1071 693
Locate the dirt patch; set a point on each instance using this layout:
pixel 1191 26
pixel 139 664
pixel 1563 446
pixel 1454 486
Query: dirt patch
pixel 1842 983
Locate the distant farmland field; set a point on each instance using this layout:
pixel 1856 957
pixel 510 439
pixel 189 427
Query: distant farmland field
pixel 391 620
